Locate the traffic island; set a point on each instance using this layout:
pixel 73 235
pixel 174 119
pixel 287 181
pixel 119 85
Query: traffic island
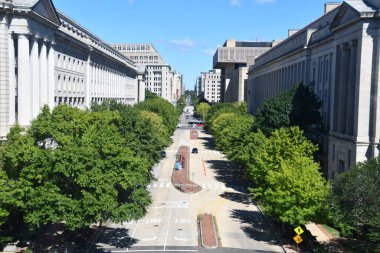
pixel 208 231
pixel 180 175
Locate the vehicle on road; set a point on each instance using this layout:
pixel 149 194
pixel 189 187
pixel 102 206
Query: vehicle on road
pixel 194 151
pixel 187 116
pixel 163 154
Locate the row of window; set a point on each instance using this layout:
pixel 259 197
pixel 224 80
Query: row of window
pixel 70 84
pixel 69 63
pixel 132 47
pixel 143 58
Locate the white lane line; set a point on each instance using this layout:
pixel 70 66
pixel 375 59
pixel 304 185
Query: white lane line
pixel 148 239
pixel 167 231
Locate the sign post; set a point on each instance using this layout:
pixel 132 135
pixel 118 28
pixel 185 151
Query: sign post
pixel 298 239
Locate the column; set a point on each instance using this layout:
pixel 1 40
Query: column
pixel 43 75
pixel 23 99
pixel 51 77
pixel 89 84
pixel 12 82
pixel 35 75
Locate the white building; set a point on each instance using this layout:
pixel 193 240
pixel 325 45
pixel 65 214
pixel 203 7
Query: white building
pixel 46 58
pixel 211 82
pixel 338 55
pixel 160 78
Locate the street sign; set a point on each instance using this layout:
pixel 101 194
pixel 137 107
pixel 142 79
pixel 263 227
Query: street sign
pixel 298 230
pixel 298 239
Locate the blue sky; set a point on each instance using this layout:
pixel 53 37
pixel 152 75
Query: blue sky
pixel 187 32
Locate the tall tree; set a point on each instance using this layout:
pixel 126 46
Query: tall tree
pixel 356 200
pixel 288 183
pixel 74 166
pixel 202 109
pixel 297 107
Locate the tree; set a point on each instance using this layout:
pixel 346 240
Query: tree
pixel 297 107
pixel 164 109
pixel 218 109
pixel 75 166
pixel 356 200
pixel 229 129
pixel 288 183
pixel 202 109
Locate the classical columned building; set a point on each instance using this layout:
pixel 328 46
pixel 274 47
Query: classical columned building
pixel 46 58
pixel 338 56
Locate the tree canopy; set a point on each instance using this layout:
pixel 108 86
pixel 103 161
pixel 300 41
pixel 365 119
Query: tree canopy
pixel 356 200
pixel 297 107
pixel 75 166
pixel 202 109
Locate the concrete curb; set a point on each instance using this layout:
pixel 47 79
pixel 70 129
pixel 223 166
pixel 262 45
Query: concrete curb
pixel 201 232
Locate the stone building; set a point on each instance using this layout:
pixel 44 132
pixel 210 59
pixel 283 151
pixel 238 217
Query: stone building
pixel 232 59
pixel 338 56
pixel 159 76
pixel 46 58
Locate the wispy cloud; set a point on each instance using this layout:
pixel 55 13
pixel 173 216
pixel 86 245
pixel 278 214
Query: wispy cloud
pixel 183 44
pixel 209 51
pixel 235 3
pixel 265 1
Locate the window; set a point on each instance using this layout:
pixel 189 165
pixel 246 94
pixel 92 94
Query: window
pixel 341 167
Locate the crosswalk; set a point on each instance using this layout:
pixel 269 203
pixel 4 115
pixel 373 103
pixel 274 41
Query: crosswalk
pixel 209 186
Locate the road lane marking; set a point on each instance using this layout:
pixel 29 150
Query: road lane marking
pixel 167 230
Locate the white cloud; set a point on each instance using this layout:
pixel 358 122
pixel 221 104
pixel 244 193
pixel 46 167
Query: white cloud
pixel 183 44
pixel 209 51
pixel 235 2
pixel 265 1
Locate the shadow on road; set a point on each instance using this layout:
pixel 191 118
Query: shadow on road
pixel 243 198
pixel 208 142
pixel 230 173
pixel 253 225
pixel 116 237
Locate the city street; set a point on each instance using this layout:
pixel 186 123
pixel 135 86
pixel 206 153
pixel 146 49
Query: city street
pixel 171 222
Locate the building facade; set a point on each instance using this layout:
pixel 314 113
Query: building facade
pixel 338 56
pixel 232 58
pixel 211 82
pixel 159 76
pixel 46 58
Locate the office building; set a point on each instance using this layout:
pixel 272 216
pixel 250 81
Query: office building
pixel 338 56
pixel 232 58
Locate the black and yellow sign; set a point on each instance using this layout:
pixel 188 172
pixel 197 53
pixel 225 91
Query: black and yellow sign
pixel 298 230
pixel 298 239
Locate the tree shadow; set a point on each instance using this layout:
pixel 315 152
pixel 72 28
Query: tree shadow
pixel 254 226
pixel 116 237
pixel 208 142
pixel 230 173
pixel 243 198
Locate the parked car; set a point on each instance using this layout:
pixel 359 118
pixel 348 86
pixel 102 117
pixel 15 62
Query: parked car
pixel 163 154
pixel 194 151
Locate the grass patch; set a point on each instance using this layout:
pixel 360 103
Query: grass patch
pixel 335 233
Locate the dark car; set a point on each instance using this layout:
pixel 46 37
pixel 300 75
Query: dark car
pixel 163 154
pixel 194 151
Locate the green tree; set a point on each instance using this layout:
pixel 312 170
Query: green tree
pixel 218 109
pixel 229 130
pixel 202 109
pixel 164 109
pixel 75 166
pixel 288 183
pixel 297 107
pixel 356 200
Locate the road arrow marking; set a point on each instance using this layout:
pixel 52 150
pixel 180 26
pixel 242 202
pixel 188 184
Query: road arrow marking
pixel 181 239
pixel 148 239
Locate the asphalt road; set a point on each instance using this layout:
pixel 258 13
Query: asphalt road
pixel 171 222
